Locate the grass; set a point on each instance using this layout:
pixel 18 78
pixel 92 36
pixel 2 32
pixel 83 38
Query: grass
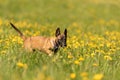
pixel 93 39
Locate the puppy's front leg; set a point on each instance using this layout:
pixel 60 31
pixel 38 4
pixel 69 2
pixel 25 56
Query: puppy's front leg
pixel 49 52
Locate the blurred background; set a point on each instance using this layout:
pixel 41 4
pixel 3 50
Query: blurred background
pixel 93 51
pixel 63 12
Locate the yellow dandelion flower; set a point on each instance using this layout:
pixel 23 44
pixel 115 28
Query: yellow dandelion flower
pixel 107 57
pixel 117 48
pixel 40 76
pixel 101 45
pixel 84 74
pixel 74 24
pixel 108 44
pixel 3 52
pixel 85 78
pixel 92 54
pixel 76 62
pixel 93 45
pixel 1 30
pixel 19 64
pixel 72 75
pixel 70 56
pixel 112 50
pixel 102 51
pixel 49 78
pixel 1 22
pixel 95 64
pixel 98 77
pixel 81 59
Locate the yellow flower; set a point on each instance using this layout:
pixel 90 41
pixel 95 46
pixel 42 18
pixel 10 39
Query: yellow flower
pixel 76 62
pixel 92 54
pixel 81 59
pixel 107 58
pixel 74 24
pixel 49 78
pixel 95 64
pixel 40 76
pixel 101 45
pixel 98 77
pixel 3 52
pixel 85 78
pixel 72 75
pixel 84 74
pixel 93 45
pixel 108 44
pixel 1 22
pixel 70 56
pixel 19 64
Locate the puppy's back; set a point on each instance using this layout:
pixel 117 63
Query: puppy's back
pixel 37 42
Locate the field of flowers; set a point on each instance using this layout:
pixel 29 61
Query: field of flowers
pixel 93 44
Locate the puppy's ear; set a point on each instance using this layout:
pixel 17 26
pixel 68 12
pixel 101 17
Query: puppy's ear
pixel 57 32
pixel 65 32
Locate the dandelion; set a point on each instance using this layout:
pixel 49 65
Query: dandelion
pixel 108 44
pixel 85 78
pixel 98 77
pixel 76 62
pixel 81 59
pixel 21 65
pixel 91 44
pixel 95 64
pixel 49 78
pixel 72 75
pixel 74 24
pixel 92 54
pixel 1 22
pixel 107 57
pixel 84 74
pixel 40 76
pixel 3 52
pixel 70 56
pixel 101 45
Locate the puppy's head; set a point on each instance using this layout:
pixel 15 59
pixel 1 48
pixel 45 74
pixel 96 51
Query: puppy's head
pixel 61 39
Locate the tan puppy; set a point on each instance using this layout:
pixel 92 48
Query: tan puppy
pixel 49 45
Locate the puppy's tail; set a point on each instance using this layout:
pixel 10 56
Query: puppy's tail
pixel 21 34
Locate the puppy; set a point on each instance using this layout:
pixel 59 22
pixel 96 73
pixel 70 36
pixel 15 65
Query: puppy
pixel 49 45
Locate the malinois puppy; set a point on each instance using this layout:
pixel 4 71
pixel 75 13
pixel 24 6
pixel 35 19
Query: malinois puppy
pixel 49 45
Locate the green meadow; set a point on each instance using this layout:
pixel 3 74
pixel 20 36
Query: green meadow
pixel 93 42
